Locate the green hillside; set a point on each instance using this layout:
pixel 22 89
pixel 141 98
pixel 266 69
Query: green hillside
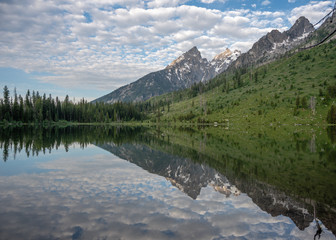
pixel 299 88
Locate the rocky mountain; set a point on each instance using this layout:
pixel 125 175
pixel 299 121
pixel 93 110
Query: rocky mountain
pixel 191 68
pixel 275 44
pixel 187 69
pixel 222 61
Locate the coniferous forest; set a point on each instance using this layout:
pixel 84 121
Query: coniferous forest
pixel 34 108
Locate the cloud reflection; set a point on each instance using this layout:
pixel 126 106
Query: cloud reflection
pixel 100 196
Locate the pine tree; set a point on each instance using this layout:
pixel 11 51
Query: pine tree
pixel 21 107
pixel 27 108
pixel 7 106
pixel 16 109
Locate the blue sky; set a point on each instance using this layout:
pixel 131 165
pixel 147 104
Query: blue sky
pixel 90 48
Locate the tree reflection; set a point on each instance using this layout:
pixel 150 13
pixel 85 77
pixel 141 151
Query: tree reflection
pixel 36 140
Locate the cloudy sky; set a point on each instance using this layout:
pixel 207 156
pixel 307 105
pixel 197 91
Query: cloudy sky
pixel 89 48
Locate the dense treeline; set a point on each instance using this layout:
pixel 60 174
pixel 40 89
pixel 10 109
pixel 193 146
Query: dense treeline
pixel 36 108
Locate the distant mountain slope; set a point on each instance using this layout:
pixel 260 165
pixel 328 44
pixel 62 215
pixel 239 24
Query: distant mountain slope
pixel 327 27
pixel 189 68
pixel 274 44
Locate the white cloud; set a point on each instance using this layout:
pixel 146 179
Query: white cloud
pixel 242 46
pixel 291 1
pixel 120 45
pixel 254 5
pixel 165 3
pixel 265 3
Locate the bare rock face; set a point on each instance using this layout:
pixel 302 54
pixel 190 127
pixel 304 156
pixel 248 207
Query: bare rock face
pixel 189 68
pixel 301 28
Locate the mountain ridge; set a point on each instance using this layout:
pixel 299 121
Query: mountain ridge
pixel 275 44
pixel 191 68
pixel 187 69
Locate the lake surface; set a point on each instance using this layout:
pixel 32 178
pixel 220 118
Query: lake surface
pixel 174 183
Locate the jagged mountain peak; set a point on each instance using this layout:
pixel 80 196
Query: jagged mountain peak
pixel 193 53
pixel 274 35
pixel 221 61
pixel 301 27
pixel 223 55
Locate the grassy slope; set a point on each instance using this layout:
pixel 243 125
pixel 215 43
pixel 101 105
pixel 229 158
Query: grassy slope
pixel 272 98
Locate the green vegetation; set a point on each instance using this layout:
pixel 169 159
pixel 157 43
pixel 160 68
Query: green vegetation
pixel 45 110
pixel 297 160
pixel 299 88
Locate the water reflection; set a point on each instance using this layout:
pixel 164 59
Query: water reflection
pixel 36 140
pixel 182 172
pixel 194 193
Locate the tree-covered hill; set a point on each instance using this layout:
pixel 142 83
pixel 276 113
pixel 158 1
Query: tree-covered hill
pixel 299 88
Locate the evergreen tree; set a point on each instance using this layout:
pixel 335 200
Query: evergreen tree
pixel 6 103
pixel 16 114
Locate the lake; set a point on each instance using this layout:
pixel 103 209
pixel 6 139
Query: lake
pixel 100 182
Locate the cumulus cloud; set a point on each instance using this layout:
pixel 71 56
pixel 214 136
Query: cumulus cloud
pixel 99 44
pixel 165 3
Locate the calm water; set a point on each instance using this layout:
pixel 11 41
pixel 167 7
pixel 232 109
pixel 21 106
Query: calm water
pixel 137 183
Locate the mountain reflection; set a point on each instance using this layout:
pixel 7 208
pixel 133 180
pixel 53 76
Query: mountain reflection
pixel 183 173
pixel 193 160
